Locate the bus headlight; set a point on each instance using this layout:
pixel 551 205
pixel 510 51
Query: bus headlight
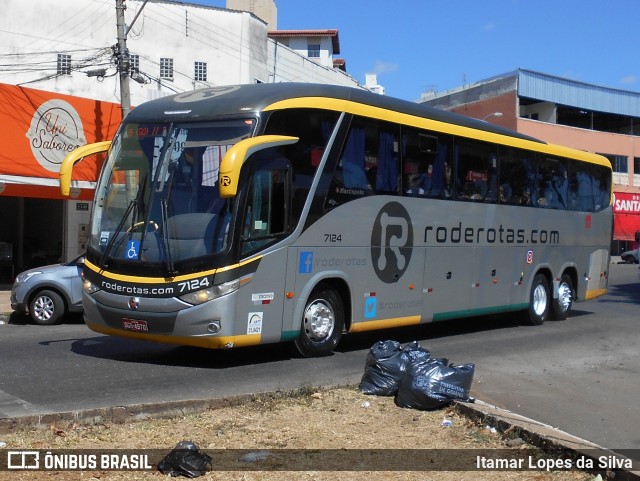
pixel 204 295
pixel 88 286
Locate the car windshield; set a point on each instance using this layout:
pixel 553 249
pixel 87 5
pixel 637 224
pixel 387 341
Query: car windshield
pixel 158 199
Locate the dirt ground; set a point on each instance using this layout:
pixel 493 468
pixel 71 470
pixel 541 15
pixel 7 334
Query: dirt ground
pixel 339 420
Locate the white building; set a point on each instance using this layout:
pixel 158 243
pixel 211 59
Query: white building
pixel 371 83
pixel 174 47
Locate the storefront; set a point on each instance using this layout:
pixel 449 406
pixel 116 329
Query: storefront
pixel 38 129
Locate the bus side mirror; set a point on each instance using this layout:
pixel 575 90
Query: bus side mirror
pixel 75 156
pixel 239 153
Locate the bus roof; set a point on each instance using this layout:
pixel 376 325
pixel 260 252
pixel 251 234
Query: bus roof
pixel 249 99
pixel 211 103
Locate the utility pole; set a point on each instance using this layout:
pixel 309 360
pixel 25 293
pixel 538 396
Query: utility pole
pixel 123 61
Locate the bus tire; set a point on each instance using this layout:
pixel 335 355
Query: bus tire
pixel 562 304
pixel 539 301
pixel 322 323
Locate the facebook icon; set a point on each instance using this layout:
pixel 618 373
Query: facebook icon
pixel 306 263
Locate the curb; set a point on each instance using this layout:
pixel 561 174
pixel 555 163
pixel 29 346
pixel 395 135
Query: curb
pixel 545 437
pixel 542 436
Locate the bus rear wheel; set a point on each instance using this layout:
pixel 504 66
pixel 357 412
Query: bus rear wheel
pixel 539 301
pixel 562 304
pixel 322 323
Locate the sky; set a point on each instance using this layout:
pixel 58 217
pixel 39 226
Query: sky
pixel 416 46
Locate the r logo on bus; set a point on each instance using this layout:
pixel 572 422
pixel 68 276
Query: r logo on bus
pixel 391 242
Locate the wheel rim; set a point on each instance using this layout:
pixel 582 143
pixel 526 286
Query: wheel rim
pixel 564 296
pixel 43 308
pixel 539 300
pixel 319 321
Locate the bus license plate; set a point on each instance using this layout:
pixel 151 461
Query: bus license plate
pixel 134 325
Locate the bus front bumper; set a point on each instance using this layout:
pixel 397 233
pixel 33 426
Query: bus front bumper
pixel 170 321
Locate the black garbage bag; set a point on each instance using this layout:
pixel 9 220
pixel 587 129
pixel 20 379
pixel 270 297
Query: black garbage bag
pixel 432 384
pixel 185 460
pixel 385 364
pixel 415 353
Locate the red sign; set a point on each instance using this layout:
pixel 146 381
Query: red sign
pixel 626 209
pixel 626 203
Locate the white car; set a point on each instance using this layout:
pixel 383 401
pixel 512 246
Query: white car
pixel 47 293
pixel 630 257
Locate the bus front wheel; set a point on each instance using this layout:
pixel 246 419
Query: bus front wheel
pixel 562 305
pixel 539 301
pixel 322 323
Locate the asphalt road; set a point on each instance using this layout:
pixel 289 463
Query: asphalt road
pixel 579 375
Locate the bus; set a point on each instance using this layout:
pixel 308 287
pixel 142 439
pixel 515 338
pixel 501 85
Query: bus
pixel 244 215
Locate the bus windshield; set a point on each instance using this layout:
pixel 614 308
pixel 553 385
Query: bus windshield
pixel 158 200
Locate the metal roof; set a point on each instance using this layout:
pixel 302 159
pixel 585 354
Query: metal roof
pixel 549 88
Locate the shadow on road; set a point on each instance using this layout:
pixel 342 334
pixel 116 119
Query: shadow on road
pixel 627 293
pixel 135 351
pixel 24 320
pixel 143 352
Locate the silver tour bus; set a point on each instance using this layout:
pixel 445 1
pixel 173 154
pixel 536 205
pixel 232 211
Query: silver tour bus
pixel 254 214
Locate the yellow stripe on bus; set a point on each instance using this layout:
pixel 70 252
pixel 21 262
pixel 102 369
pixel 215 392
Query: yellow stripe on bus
pixel 593 293
pixel 157 280
pixel 385 323
pixel 342 105
pixel 210 342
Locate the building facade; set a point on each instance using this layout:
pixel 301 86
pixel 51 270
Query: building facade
pixel 174 47
pixel 69 55
pixel 566 112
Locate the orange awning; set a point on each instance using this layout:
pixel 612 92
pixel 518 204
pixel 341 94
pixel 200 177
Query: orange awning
pixel 38 129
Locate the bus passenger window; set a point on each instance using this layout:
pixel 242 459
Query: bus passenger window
pixel 604 182
pixel 426 172
pixel 368 163
pixel 553 183
pixel 476 178
pixel 513 177
pixel 415 184
pixel 313 127
pixel 352 161
pixel 589 189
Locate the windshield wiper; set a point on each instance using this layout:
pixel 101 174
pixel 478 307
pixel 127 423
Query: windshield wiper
pixel 139 207
pixel 165 238
pixel 135 207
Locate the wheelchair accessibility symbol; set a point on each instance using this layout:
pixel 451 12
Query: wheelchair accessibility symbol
pixel 133 249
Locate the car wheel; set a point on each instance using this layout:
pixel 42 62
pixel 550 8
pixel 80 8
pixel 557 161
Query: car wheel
pixel 629 259
pixel 539 301
pixel 322 323
pixel 46 308
pixel 562 305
